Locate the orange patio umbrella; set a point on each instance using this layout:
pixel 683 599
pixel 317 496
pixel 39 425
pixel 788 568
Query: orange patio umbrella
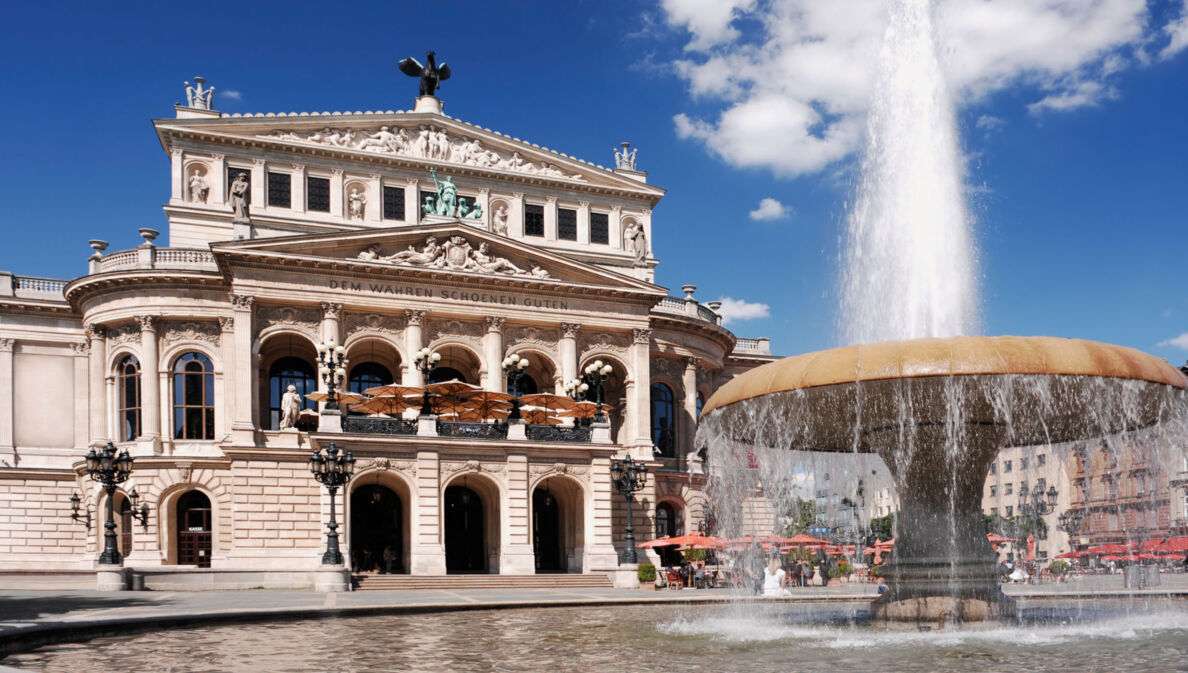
pixel 665 541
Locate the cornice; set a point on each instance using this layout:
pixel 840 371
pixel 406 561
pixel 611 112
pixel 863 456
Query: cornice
pixel 721 335
pixel 63 474
pixel 13 305
pixel 99 283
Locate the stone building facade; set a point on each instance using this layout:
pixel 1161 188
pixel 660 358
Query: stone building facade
pixel 385 232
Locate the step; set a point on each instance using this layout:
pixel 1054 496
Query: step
pixel 368 582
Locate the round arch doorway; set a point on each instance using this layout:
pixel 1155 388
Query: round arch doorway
pixel 558 525
pixel 377 530
pixel 465 531
pixel 193 529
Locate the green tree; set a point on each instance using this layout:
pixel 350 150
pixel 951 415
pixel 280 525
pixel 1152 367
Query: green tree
pixel 883 527
pixel 801 515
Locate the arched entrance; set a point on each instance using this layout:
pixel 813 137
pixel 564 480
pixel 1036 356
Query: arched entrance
pixel 465 531
pixel 377 530
pixel 558 525
pixel 193 529
pixel 668 524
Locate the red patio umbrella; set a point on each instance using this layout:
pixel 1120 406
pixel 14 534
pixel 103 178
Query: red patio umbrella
pixel 665 541
pixel 803 540
pixel 698 541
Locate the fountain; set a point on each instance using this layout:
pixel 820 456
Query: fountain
pixel 936 405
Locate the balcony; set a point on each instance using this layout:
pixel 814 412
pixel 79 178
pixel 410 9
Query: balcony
pixel 32 287
pixel 151 257
pixel 372 425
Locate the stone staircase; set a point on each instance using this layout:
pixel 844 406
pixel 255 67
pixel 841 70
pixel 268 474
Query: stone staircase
pixel 374 582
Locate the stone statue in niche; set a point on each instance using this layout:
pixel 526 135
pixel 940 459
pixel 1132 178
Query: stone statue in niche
pixel 357 203
pixel 239 199
pixel 199 188
pixel 636 240
pixel 290 408
pixel 197 97
pixel 499 222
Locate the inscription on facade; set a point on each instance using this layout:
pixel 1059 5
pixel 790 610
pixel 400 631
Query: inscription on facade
pixel 371 287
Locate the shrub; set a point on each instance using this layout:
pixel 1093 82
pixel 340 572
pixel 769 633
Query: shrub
pixel 646 572
pixel 696 555
pixel 844 568
pixel 1059 567
pixel 876 570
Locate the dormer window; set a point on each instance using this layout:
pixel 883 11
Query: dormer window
pixel 280 190
pixel 567 224
pixel 317 194
pixel 533 220
pixel 599 228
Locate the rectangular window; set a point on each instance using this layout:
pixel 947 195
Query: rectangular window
pixel 994 511
pixel 1007 489
pixel 566 224
pixel 1022 488
pixel 993 491
pixel 993 468
pixel 1006 466
pixel 1022 463
pixel 1041 459
pixel 599 228
pixel 393 203
pixel 232 174
pixel 1042 483
pixel 533 220
pixel 317 195
pixel 279 186
pixel 1010 511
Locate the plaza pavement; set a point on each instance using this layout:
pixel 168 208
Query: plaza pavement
pixel 32 618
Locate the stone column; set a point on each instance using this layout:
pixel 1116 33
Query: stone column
pixel 483 200
pixel 412 202
pixel 98 385
pixel 493 353
pixel 600 551
pixel 177 177
pixel 336 209
pixel 231 374
pixel 297 188
pixel 242 427
pixel 642 375
pixel 568 349
pixel 413 343
pixel 515 218
pixel 615 225
pixel 7 445
pixel 259 183
pixel 689 383
pixel 150 381
pixel 516 555
pixel 428 544
pixel 583 222
pixel 331 312
pixel 550 218
pixel 218 181
pixel 82 403
pixel 374 210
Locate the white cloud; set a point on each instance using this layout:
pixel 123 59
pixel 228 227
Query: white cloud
pixel 737 310
pixel 792 79
pixel 770 209
pixel 232 94
pixel 1178 32
pixel 1177 342
pixel 989 123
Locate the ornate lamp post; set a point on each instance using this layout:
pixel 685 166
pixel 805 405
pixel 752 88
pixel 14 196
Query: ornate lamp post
pixel 426 361
pixel 111 470
pixel 514 367
pixel 594 376
pixel 627 477
pixel 1037 504
pixel 1070 522
pixel 332 470
pixel 330 367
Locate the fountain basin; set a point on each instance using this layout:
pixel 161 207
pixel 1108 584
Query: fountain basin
pixel 938 411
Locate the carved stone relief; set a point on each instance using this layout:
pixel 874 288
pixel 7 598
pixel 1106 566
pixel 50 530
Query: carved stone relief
pixel 456 254
pixel 471 332
pixel 532 336
pixel 384 464
pixel 123 334
pixel 668 367
pixel 605 341
pixel 450 467
pixel 374 322
pixel 191 331
pixel 424 142
pixel 540 471
pixel 287 315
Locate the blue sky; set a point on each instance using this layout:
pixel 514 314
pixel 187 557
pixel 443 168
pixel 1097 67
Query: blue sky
pixel 1072 122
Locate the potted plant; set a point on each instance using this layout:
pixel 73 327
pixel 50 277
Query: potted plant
pixel 647 576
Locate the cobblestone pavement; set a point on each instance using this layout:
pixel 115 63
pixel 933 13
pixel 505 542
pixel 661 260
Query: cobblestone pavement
pixel 58 615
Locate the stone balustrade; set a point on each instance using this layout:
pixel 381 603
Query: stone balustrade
pixel 760 346
pixel 31 287
pixel 687 307
pixel 152 257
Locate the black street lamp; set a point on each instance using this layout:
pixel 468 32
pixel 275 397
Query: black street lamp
pixel 426 361
pixel 330 361
pixel 75 501
pixel 627 477
pixel 514 367
pixel 595 376
pixel 111 470
pixel 1070 522
pixel 1036 504
pixel 332 470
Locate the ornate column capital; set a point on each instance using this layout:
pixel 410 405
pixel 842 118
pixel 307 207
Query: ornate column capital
pixel 298 167
pixel 413 182
pixel 258 162
pixel 569 330
pixel 331 310
pixel 242 302
pixel 641 336
pixel 517 195
pixel 218 157
pixel 335 171
pixel 583 204
pixel 374 177
pixel 82 349
pixel 148 323
pixel 550 199
pixel 227 323
pixel 692 363
pixel 415 316
pixel 95 331
pixel 6 345
pixel 495 323
pixel 176 152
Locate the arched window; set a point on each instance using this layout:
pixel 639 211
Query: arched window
pixel 663 419
pixel 285 372
pixel 193 397
pixel 128 389
pixel 368 375
pixel 665 520
pixel 525 386
pixel 442 374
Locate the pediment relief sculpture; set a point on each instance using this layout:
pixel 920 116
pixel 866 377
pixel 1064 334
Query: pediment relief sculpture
pixel 425 142
pixel 455 254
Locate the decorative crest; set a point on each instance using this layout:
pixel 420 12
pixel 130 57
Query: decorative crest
pixel 455 254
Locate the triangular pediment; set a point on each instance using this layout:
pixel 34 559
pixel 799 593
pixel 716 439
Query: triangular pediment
pixel 447 249
pixel 421 140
